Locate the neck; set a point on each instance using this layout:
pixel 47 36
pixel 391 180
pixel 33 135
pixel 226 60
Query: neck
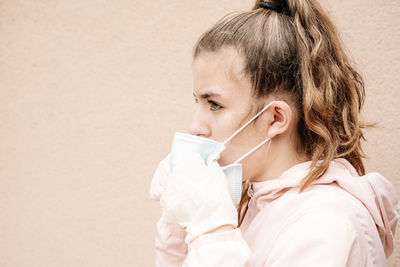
pixel 282 159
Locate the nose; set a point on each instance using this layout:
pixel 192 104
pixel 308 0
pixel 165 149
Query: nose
pixel 200 125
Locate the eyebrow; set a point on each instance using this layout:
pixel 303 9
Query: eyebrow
pixel 208 95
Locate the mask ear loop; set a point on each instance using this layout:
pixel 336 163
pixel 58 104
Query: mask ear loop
pixel 254 149
pixel 247 123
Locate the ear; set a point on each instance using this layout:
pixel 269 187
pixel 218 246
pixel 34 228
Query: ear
pixel 280 117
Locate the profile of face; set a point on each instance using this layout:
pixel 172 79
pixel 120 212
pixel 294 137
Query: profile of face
pixel 225 101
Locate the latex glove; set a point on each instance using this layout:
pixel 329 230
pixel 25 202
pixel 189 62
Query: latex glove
pixel 197 197
pixel 160 178
pixel 158 184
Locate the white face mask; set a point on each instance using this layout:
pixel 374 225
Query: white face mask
pixel 184 144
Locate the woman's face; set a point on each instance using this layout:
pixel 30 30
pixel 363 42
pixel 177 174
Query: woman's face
pixel 225 102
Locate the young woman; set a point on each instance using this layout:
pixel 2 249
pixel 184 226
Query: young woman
pixel 276 83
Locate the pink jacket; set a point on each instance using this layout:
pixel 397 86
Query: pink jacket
pixel 341 220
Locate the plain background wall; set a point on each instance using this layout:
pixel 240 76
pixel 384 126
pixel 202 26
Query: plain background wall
pixel 91 93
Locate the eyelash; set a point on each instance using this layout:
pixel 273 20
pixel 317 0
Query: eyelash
pixel 213 106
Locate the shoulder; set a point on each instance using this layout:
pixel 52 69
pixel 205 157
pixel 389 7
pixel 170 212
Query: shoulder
pixel 318 223
pixel 320 231
pixel 326 223
pixel 324 211
pixel 330 199
pixel 327 212
pixel 322 236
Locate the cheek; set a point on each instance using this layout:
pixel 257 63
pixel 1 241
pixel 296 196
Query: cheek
pixel 237 146
pixel 223 127
pixel 241 144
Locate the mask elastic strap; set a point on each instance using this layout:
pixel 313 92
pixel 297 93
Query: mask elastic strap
pixel 254 149
pixel 247 123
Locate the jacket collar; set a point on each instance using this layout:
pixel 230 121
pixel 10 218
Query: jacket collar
pixel 375 192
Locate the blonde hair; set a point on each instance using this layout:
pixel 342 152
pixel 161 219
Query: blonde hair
pixel 298 51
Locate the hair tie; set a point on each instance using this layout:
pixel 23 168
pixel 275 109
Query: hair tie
pixel 272 6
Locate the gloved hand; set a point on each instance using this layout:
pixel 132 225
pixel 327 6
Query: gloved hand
pixel 160 177
pixel 197 197
pixel 158 184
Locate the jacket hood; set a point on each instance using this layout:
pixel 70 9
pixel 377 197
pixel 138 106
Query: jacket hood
pixel 373 190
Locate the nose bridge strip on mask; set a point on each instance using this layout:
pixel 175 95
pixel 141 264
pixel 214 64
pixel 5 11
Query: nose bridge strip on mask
pixel 244 126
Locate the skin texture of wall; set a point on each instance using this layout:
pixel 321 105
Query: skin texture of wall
pixel 92 92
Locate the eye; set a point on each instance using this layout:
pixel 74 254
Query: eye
pixel 214 106
pixel 195 100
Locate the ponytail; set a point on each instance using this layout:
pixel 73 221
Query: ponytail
pixel 333 92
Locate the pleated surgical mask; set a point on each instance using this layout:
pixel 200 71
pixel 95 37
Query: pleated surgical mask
pixel 185 144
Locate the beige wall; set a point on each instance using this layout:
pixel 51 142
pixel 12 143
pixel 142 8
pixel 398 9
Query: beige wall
pixel 91 94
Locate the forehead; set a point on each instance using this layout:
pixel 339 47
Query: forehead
pixel 222 70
